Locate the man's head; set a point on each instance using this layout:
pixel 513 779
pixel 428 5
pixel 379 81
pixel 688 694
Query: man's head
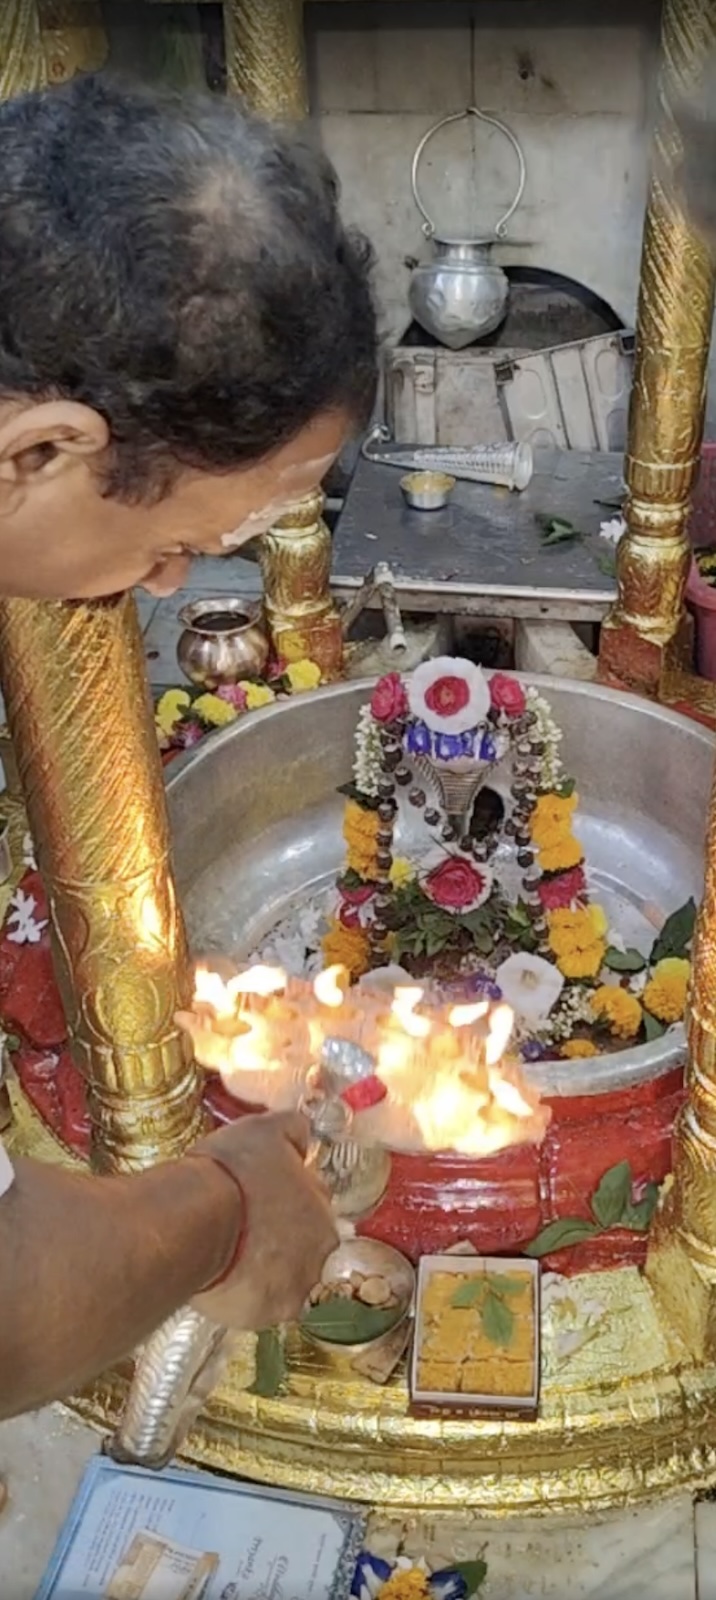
pixel 187 333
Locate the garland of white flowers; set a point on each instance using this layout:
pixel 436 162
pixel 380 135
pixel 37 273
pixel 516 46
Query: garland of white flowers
pixel 551 769
pixel 367 764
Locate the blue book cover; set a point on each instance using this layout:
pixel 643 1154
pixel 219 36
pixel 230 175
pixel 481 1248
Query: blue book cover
pixel 179 1535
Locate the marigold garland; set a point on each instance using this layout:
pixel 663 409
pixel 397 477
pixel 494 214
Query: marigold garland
pixel 619 1009
pixel 346 947
pixel 578 1050
pixel 215 712
pixel 665 993
pixel 551 831
pixel 413 1584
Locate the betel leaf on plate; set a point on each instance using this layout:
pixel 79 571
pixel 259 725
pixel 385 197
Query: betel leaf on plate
pixel 498 1320
pixel 348 1321
pixel 612 1195
pixel 630 960
pixel 502 1284
pixel 559 1235
pixel 270 1364
pixel 469 1294
pixel 676 934
pixel 638 1216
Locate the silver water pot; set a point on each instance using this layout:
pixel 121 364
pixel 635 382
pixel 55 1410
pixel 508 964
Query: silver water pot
pixel 461 295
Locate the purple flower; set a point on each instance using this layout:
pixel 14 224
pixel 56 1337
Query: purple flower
pixel 418 739
pixel 447 1585
pixel 488 748
pixel 448 746
pixel 187 734
pixel 532 1050
pixel 371 1572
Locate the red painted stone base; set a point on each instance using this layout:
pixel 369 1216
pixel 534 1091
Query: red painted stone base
pixel 432 1201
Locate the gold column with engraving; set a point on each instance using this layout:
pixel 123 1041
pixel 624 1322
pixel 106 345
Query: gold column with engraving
pixel 295 561
pixel 675 311
pixel 74 682
pixel 265 55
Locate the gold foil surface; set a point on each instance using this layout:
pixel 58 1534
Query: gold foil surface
pixel 73 37
pixel 674 317
pixel 295 557
pixel 22 64
pixel 622 1419
pixel 84 738
pixel 265 55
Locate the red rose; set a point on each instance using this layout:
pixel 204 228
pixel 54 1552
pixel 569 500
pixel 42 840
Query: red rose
pixel 389 699
pixel 455 885
pixel 361 1096
pixel 448 695
pixel 507 695
pixel 557 894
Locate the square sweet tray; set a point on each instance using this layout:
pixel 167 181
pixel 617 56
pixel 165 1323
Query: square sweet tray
pixel 477 1335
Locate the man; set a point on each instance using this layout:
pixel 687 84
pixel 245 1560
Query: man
pixel 187 337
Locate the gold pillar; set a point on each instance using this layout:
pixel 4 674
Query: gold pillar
pixel 674 316
pixel 73 37
pixel 78 708
pixel 265 55
pixel 295 561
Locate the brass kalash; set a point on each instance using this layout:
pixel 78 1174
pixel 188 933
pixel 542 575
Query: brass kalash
pixel 73 677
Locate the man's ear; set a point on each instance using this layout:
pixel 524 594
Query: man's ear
pixel 46 438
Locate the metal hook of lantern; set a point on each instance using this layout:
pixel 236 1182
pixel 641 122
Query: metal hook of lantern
pixel 461 295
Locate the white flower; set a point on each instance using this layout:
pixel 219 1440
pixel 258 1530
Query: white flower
pixel 448 694
pixel 613 530
pixel 26 929
pixel 368 758
pixel 28 852
pixel 530 985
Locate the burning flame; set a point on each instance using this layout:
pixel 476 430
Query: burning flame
pixel 449 1084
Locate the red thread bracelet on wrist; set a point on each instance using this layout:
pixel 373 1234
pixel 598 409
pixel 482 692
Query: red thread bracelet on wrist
pixel 207 1155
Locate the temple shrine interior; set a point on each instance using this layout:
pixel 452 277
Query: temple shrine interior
pixel 404 810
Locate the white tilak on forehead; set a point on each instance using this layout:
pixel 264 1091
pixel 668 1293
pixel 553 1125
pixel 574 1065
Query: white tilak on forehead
pixel 256 522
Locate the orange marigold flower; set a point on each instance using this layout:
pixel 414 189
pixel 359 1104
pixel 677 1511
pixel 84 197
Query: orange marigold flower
pixel 619 1009
pixel 346 947
pixel 561 855
pixel 578 1050
pixel 665 993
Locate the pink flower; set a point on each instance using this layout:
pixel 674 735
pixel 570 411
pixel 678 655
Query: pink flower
pixel 447 696
pixel 358 897
pixel 389 699
pixel 188 734
pixel 455 885
pixel 507 695
pixel 556 894
pixel 234 695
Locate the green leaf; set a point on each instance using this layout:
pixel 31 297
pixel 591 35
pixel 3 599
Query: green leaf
pixel 630 960
pixel 556 530
pixel 368 801
pixel 518 916
pixel 559 1235
pixel 676 934
pixel 612 1195
pixel 12 1042
pixel 501 1284
pixel 473 1574
pixel 351 880
pixel 653 1028
pixel 498 1321
pixel 349 1322
pixel 270 1364
pixel 469 1294
pixel 638 1217
pixel 564 790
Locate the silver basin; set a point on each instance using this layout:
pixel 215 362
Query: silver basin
pixel 256 822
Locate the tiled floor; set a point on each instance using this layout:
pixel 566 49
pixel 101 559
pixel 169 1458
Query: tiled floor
pixel 663 1553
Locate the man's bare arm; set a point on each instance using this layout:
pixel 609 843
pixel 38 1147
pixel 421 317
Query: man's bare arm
pixel 89 1267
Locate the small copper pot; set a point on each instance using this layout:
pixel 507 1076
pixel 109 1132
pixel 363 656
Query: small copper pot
pixel 224 640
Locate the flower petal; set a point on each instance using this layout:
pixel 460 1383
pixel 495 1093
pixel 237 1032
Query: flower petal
pixel 423 683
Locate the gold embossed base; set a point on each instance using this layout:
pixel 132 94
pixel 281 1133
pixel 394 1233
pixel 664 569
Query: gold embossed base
pixel 622 1420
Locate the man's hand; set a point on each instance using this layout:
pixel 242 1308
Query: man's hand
pixel 289 1225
